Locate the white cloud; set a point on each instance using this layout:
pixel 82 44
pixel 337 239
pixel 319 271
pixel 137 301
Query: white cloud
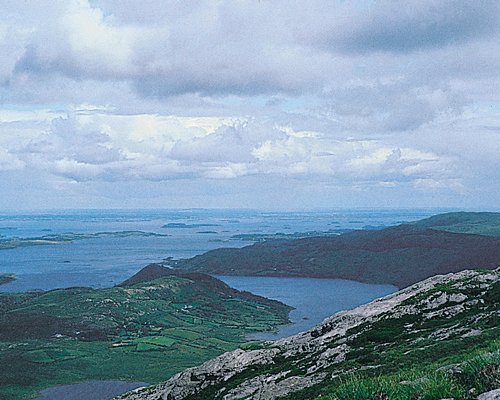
pixel 433 184
pixel 9 161
pixel 365 95
pixel 99 147
pixel 227 171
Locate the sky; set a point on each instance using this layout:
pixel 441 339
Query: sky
pixel 270 104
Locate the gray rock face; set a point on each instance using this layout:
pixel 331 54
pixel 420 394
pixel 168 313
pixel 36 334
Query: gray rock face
pixel 493 395
pixel 297 362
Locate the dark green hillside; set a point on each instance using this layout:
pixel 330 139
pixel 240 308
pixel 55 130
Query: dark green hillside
pixel 399 255
pixel 141 331
pixel 479 223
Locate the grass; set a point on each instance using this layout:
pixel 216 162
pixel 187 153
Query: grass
pixel 145 332
pixel 409 353
pixel 162 341
pixel 478 374
pixel 482 372
pixel 404 386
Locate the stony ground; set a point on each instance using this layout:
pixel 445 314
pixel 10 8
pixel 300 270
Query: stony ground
pixel 436 339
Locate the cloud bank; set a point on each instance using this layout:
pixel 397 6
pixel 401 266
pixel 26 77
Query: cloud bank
pixel 373 97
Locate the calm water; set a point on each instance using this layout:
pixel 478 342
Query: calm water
pixel 109 259
pixel 313 299
pixel 95 390
pixel 106 260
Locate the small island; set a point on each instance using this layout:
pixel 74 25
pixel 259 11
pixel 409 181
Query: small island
pixel 69 237
pixel 6 278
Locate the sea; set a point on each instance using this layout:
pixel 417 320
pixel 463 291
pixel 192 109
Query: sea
pixel 101 248
pixel 105 247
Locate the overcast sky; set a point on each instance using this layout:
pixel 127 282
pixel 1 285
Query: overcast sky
pixel 270 104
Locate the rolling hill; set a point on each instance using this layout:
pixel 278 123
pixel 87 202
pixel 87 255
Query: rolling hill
pixel 438 339
pixel 480 223
pixel 156 323
pixel 399 255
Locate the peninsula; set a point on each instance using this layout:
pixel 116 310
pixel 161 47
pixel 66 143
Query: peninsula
pixel 399 255
pixel 153 325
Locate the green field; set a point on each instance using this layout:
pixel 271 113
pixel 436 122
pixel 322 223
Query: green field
pixel 143 332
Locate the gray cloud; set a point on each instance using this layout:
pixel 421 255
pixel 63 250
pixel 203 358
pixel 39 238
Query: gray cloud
pixel 247 49
pixel 374 95
pixel 67 140
pixel 414 25
pixel 394 106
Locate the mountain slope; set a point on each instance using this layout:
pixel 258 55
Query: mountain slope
pixel 479 223
pixel 399 255
pixel 436 339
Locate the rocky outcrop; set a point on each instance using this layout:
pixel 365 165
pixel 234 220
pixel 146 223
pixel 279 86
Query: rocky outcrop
pixel 455 305
pixel 491 395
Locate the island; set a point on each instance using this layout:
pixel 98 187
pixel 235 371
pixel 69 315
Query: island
pixel 6 278
pixel 62 238
pixel 182 225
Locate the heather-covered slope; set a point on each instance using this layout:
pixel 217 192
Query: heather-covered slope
pixel 434 340
pixel 399 255
pixel 480 223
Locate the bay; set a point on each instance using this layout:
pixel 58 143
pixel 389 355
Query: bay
pixel 313 299
pixel 95 390
pixel 103 260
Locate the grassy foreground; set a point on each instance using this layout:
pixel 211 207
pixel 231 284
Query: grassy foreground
pixel 478 373
pixel 451 353
pixel 141 332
